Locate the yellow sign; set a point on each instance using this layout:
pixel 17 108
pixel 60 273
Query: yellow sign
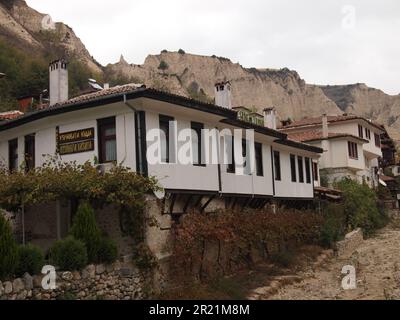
pixel 75 141
pixel 78 135
pixel 77 147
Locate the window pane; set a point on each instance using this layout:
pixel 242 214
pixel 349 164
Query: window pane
pixel 277 165
pixel 293 167
pixel 231 154
pixel 259 160
pixel 111 150
pixel 301 170
pixel 308 170
pixel 195 147
pixel 164 139
pixel 109 132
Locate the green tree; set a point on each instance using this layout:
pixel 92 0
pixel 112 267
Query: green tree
pixel 8 249
pixel 361 206
pixel 163 65
pixel 84 228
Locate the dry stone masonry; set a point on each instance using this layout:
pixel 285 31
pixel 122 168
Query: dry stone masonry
pixel 118 281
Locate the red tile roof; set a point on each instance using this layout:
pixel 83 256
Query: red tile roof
pixel 9 115
pixel 315 135
pixel 101 93
pixel 331 119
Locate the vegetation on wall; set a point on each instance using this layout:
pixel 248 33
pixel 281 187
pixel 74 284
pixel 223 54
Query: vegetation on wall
pixel 120 187
pixel 273 233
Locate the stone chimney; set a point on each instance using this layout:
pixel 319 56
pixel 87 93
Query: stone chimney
pixel 325 129
pixel 270 118
pixel 223 94
pixel 58 81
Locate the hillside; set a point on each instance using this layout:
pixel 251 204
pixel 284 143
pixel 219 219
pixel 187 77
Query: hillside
pixel 194 75
pixel 26 48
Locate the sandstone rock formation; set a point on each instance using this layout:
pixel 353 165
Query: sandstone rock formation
pixel 23 27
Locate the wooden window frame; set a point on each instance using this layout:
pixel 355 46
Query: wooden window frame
pixel 102 126
pixel 258 159
pixel 308 169
pixel 198 127
pixel 163 119
pixel 352 150
pixel 315 170
pixel 293 170
pixel 277 166
pixel 300 163
pixel 29 156
pixel 360 131
pixel 231 167
pixel 377 140
pixel 13 156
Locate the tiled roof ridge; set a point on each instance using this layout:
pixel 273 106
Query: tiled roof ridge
pixel 333 118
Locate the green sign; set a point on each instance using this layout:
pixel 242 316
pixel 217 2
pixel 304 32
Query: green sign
pixel 245 114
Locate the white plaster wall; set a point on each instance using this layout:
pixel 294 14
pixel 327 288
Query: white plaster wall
pixel 352 128
pixel 45 131
pixel 250 184
pixel 286 188
pixel 179 176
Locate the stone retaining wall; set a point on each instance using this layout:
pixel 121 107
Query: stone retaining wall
pixel 352 240
pixel 118 281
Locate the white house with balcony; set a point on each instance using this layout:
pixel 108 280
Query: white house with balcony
pixel 351 145
pixel 112 125
pixel 131 125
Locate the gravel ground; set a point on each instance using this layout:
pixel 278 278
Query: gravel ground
pixel 377 263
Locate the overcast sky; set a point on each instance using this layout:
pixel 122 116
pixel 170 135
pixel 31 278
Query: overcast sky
pixel 327 42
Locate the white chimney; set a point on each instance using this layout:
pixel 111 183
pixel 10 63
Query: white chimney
pixel 223 94
pixel 58 81
pixel 270 118
pixel 325 129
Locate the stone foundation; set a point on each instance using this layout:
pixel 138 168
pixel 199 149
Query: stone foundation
pixel 119 281
pixel 351 242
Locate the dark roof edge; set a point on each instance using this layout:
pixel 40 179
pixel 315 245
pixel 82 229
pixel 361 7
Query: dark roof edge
pixel 338 137
pixel 259 129
pixel 299 145
pixel 100 101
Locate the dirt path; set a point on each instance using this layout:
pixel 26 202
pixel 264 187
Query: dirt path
pixel 377 263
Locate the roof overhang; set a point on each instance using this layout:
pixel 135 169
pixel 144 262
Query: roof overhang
pixel 118 97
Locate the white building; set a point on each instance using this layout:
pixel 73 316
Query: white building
pixel 111 126
pixel 351 145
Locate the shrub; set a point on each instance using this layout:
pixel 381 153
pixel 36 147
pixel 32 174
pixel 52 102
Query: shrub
pixel 8 249
pixel 84 228
pixel 31 260
pixel 163 65
pixel 334 227
pixel 143 257
pixel 361 206
pixel 181 51
pixel 239 232
pixel 107 251
pixel 69 254
pixel 284 258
